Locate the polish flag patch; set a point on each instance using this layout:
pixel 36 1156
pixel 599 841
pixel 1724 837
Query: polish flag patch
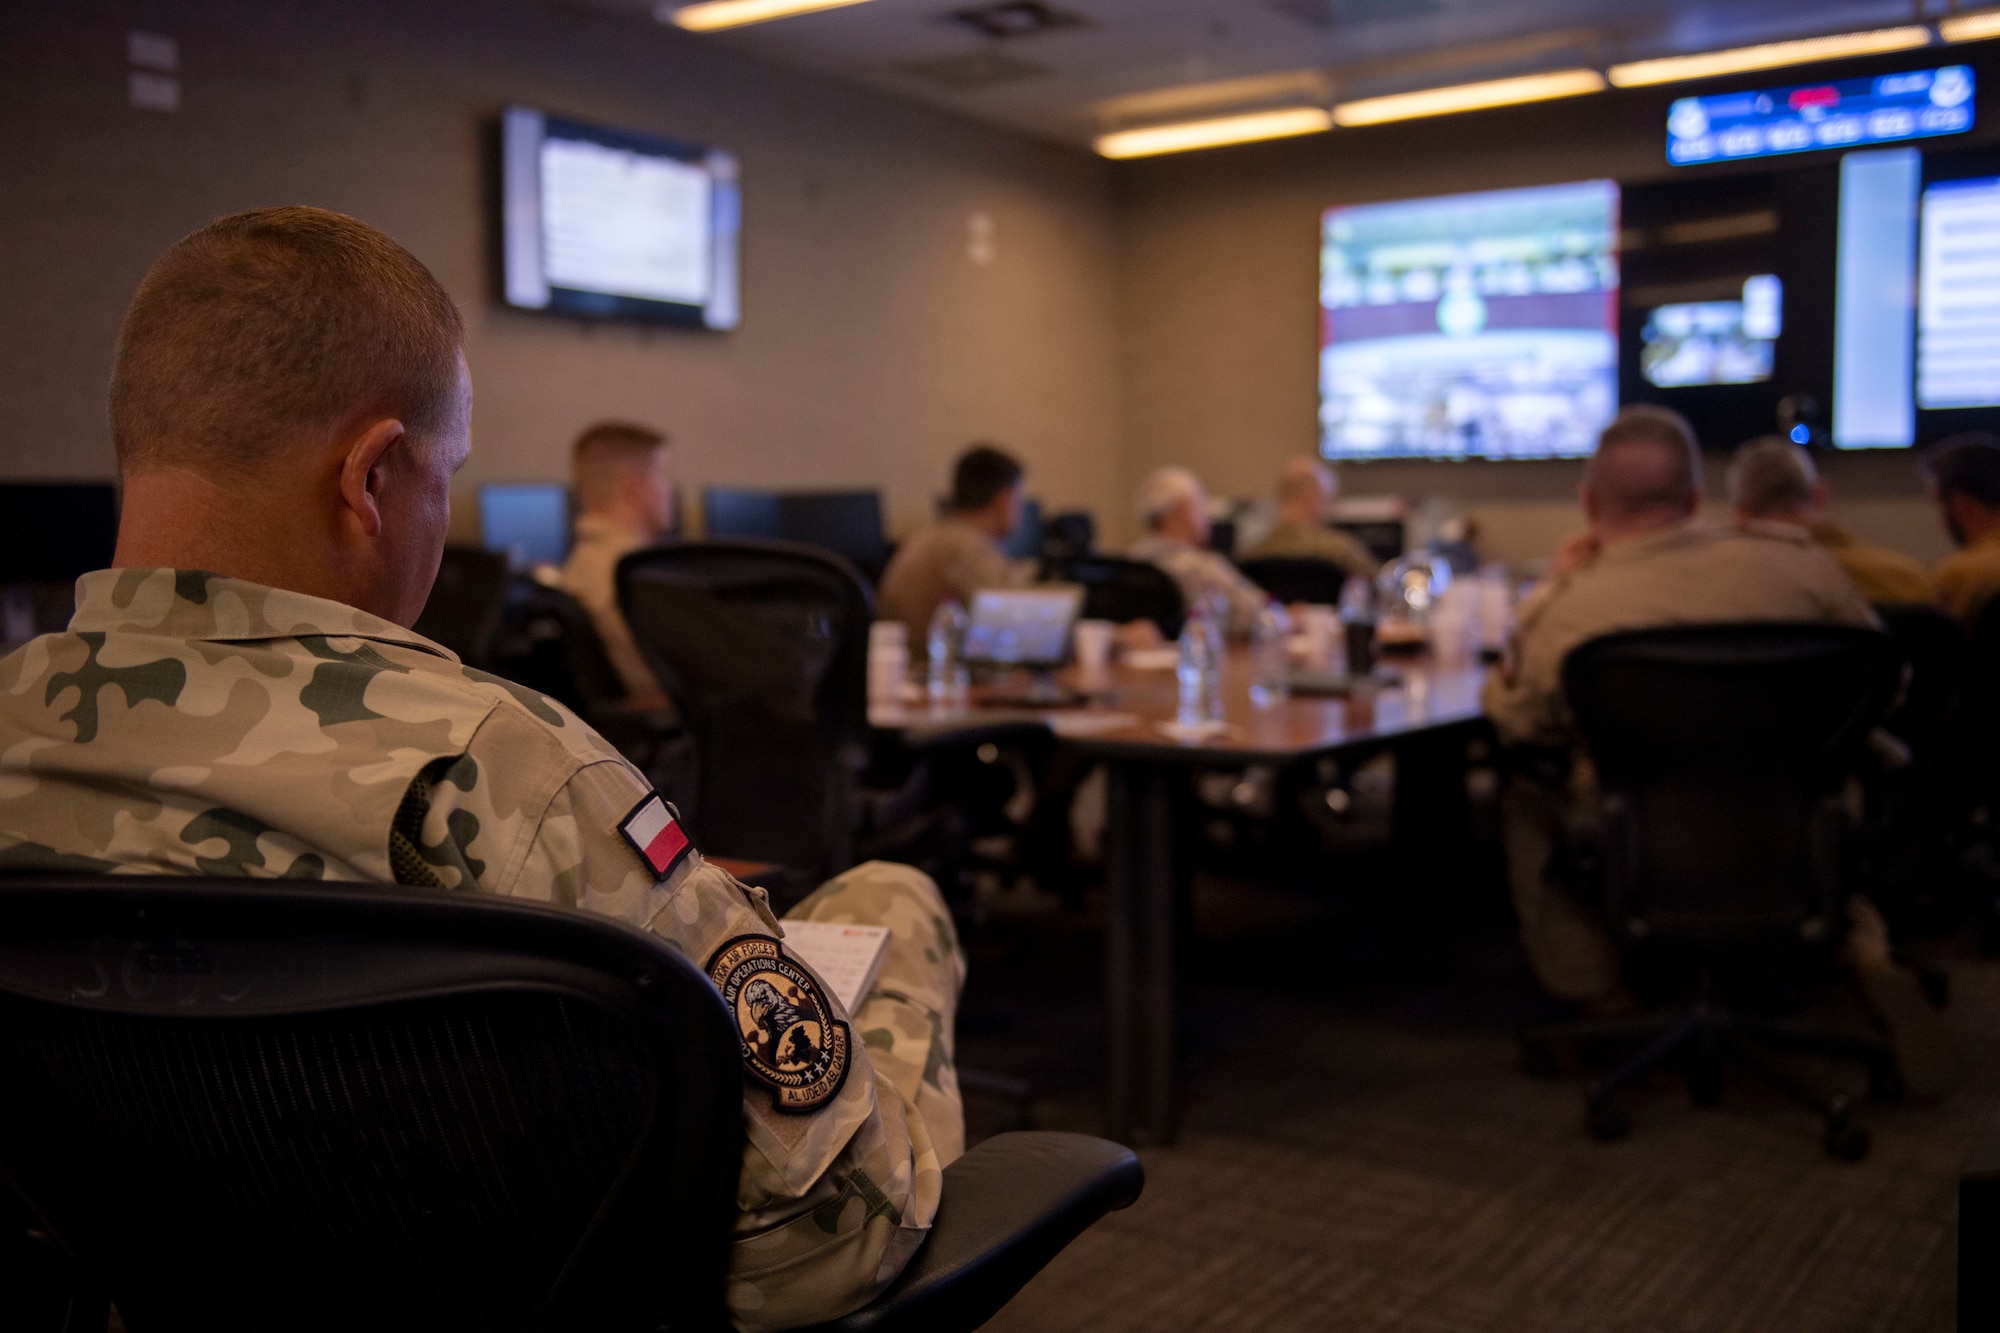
pixel 654 830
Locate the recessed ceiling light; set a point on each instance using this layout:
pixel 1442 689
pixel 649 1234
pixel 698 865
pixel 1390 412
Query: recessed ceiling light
pixel 1970 27
pixel 1189 134
pixel 718 14
pixel 1469 97
pixel 1742 59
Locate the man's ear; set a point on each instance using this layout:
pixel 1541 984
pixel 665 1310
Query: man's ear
pixel 361 472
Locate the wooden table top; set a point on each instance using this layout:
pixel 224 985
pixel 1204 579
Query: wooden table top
pixel 1134 716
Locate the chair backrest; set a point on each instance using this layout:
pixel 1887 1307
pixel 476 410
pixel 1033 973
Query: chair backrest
pixel 1934 647
pixel 549 643
pixel 1067 535
pixel 245 1106
pixel 1297 578
pixel 467 603
pixel 1125 590
pixel 763 648
pixel 1720 751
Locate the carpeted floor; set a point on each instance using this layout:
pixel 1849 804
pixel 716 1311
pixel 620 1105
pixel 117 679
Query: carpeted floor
pixel 1363 1152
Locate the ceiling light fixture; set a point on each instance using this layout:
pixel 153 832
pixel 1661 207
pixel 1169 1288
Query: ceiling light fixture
pixel 1469 97
pixel 1187 134
pixel 1742 59
pixel 1970 27
pixel 718 14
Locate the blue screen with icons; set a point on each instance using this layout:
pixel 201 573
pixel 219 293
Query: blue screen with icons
pixel 1843 113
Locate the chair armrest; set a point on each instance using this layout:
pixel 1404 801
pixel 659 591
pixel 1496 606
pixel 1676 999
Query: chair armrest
pixel 1010 1205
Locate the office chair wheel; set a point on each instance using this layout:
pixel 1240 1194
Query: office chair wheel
pixel 1885 1084
pixel 1705 1080
pixel 1607 1123
pixel 1849 1143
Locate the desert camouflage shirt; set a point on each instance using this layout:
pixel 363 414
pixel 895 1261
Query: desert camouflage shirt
pixel 188 723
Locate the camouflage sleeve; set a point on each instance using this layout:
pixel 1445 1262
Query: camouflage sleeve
pixel 834 1197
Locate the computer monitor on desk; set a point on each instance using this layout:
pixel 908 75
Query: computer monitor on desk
pixel 527 523
pixel 848 523
pixel 1026 541
pixel 55 531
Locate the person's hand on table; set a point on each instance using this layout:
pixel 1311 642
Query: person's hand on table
pixel 1138 634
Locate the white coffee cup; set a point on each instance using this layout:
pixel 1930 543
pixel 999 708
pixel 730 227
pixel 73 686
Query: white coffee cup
pixel 1093 646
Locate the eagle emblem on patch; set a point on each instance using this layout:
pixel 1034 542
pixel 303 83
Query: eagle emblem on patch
pixel 792 1043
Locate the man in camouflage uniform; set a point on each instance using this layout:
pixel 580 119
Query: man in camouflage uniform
pixel 1173 506
pixel 289 406
pixel 1645 561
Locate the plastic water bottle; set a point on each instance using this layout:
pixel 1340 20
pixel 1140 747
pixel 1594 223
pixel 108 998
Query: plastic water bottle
pixel 945 645
pixel 1271 677
pixel 1196 667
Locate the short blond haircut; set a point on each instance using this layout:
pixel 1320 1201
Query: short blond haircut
pixel 270 326
pixel 1771 475
pixel 1647 461
pixel 604 453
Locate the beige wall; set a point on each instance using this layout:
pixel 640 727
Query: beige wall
pixel 1219 286
pixel 872 348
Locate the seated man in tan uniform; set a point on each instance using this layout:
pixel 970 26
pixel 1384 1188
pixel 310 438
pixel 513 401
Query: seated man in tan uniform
pixel 1964 476
pixel 1306 488
pixel 1644 561
pixel 1174 509
pixel 959 554
pixel 625 501
pixel 1772 480
pixel 240 696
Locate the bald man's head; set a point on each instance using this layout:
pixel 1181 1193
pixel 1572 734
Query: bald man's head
pixel 1305 487
pixel 1772 478
pixel 1646 471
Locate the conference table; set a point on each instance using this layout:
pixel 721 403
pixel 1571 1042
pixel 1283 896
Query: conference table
pixel 1425 717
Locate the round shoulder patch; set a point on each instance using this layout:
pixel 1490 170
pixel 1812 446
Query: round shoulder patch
pixel 792 1043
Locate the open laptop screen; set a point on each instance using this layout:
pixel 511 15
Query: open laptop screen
pixel 1024 627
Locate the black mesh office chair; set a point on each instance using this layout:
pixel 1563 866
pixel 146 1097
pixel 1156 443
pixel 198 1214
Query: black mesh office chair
pixel 1125 590
pixel 763 649
pixel 467 603
pixel 1918 802
pixel 1297 578
pixel 1720 753
pixel 549 643
pixel 239 1107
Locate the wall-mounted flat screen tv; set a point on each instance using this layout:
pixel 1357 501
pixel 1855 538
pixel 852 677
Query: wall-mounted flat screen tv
pixel 617 224
pixel 1690 343
pixel 1845 113
pixel 1470 326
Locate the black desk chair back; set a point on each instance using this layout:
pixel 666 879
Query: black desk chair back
pixel 1297 578
pixel 467 603
pixel 1720 752
pixel 763 649
pixel 245 1108
pixel 1125 590
pixel 549 643
pixel 237 1107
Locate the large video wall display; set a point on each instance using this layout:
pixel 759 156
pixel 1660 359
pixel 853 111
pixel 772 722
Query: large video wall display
pixel 1470 326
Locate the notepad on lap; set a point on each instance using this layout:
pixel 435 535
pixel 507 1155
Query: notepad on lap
pixel 847 958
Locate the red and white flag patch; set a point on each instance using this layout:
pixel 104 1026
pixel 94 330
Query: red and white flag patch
pixel 654 830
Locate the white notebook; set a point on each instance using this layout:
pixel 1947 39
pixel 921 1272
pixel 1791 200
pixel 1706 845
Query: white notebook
pixel 847 958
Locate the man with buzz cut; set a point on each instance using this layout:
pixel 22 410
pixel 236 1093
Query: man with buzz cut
pixel 240 695
pixel 625 501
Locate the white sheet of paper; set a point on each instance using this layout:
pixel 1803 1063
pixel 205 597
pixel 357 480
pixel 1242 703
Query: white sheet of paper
pixel 847 958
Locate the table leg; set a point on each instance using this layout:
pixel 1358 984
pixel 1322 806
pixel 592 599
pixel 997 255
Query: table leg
pixel 1142 841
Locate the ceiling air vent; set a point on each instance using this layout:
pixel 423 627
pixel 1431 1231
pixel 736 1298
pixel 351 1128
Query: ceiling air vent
pixel 1016 18
pixel 969 73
